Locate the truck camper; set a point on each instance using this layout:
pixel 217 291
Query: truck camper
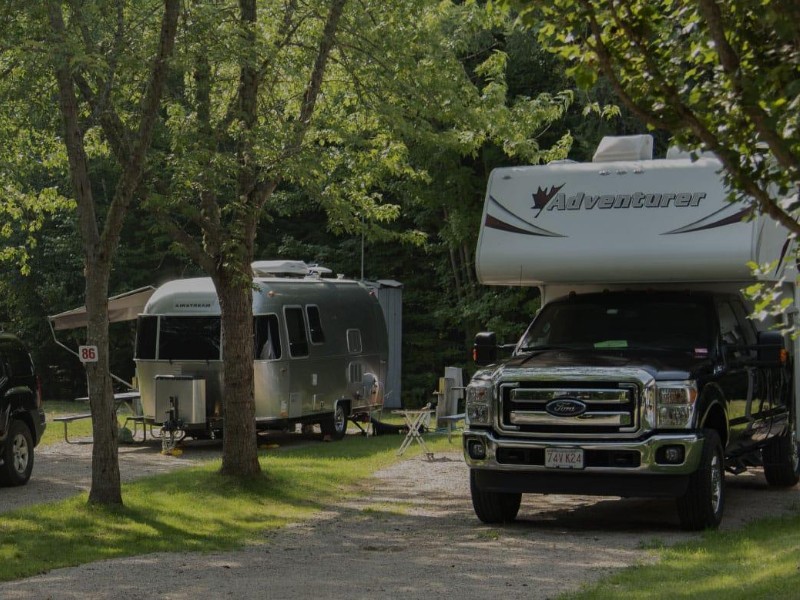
pixel 642 374
pixel 320 352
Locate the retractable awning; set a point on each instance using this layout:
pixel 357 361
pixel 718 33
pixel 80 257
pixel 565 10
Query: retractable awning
pixel 124 307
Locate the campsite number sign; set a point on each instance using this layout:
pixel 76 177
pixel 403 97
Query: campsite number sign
pixel 87 354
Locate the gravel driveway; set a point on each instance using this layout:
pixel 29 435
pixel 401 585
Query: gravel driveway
pixel 413 534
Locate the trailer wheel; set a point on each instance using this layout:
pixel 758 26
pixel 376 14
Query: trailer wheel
pixel 702 505
pixel 493 507
pixel 17 455
pixel 781 459
pixel 335 426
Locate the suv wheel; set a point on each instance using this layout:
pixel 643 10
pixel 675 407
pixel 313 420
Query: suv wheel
pixel 17 455
pixel 781 459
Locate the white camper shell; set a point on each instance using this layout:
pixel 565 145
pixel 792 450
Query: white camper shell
pixel 626 222
pixel 320 352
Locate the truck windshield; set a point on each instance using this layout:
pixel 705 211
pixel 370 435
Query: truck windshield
pixel 614 322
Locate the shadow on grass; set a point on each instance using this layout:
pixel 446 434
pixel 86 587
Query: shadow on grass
pixel 192 509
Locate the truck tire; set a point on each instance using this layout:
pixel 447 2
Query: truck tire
pixel 336 425
pixel 781 461
pixel 17 454
pixel 493 507
pixel 702 505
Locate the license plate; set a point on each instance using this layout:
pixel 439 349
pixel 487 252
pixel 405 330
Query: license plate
pixel 563 458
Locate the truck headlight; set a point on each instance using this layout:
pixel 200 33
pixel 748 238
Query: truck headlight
pixel 478 403
pixel 675 401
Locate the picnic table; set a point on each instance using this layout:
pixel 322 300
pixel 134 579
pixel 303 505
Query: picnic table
pixel 128 399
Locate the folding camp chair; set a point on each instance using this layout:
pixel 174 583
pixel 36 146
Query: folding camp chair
pixel 415 420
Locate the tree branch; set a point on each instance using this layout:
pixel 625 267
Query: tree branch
pixel 113 127
pixel 134 165
pixel 315 80
pixel 729 59
pixel 73 138
pixel 204 259
pixel 688 119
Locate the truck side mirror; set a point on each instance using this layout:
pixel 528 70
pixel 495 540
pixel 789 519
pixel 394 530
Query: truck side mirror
pixel 484 352
pixel 771 350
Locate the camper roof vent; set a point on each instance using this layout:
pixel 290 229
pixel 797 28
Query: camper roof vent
pixel 624 147
pixel 271 268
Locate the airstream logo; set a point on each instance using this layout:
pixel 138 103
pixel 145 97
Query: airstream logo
pixel 550 199
pixel 565 407
pixel 192 305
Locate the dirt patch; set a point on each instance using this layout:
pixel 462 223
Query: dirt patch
pixel 413 534
pixel 63 470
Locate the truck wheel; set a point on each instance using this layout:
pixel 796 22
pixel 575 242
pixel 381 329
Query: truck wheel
pixel 781 461
pixel 493 507
pixel 17 455
pixel 702 505
pixel 336 425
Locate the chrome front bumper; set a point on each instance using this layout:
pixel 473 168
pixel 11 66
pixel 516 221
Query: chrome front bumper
pixel 647 448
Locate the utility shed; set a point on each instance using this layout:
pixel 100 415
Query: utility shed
pixel 390 297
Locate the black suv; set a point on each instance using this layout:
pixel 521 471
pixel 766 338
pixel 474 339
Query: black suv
pixel 22 420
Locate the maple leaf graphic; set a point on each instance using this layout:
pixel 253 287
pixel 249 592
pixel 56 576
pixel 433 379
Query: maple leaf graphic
pixel 542 197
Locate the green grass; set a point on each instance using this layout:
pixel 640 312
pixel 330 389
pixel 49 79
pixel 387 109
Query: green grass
pixel 198 510
pixel 761 560
pixel 195 509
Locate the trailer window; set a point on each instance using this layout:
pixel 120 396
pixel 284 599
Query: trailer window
pixel 267 338
pixel 296 328
pixel 315 325
pixel 146 331
pixel 189 338
pixel 356 372
pixel 354 341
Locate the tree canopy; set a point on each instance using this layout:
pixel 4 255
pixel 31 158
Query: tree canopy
pixel 719 75
pixel 286 129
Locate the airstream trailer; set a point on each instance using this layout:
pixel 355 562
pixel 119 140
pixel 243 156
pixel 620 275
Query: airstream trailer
pixel 320 352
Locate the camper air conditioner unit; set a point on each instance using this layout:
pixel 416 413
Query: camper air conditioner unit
pixel 275 268
pixel 187 392
pixel 624 147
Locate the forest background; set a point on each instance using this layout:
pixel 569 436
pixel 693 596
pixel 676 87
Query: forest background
pixel 428 246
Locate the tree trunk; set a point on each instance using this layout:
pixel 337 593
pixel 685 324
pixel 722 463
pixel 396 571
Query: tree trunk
pixel 456 274
pixel 239 448
pixel 99 248
pixel 105 455
pixel 469 272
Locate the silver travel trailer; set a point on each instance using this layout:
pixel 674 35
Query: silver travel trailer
pixel 320 352
pixel 642 374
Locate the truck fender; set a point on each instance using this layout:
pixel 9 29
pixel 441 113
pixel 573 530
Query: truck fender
pixel 16 399
pixel 712 412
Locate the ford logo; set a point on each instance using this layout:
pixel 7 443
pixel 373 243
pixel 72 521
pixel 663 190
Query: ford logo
pixel 565 407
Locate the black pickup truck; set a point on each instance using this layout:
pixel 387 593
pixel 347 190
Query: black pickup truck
pixel 631 393
pixel 22 419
